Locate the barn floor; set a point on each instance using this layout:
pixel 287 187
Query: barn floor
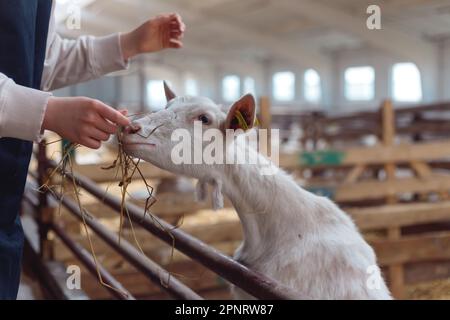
pixel 435 290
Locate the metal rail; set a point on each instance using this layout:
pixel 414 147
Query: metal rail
pixel 149 268
pixel 113 286
pixel 254 283
pixel 84 256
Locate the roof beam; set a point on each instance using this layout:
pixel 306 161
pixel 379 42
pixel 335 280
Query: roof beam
pixel 399 5
pixel 285 50
pixel 294 54
pixel 194 50
pixel 404 45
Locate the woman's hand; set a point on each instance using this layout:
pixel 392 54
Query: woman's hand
pixel 162 32
pixel 82 120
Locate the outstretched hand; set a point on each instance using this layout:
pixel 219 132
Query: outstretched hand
pixel 162 32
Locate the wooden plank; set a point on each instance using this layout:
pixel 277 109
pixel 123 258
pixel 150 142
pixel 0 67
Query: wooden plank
pixel 426 271
pixel 439 106
pixel 170 204
pixel 167 206
pixel 375 189
pixel 212 233
pixel 396 276
pixel 396 272
pixel 354 174
pixel 265 119
pixel 191 273
pixel 164 255
pixel 388 123
pixel 416 248
pixel 390 169
pixel 422 169
pixel 399 215
pixel 381 154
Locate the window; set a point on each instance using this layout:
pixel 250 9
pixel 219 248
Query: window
pixel 360 83
pixel 191 87
pixel 231 88
pixel 156 97
pixel 249 85
pixel 313 91
pixel 406 82
pixel 284 86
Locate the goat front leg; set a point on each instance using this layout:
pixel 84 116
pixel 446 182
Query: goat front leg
pixel 217 196
pixel 201 191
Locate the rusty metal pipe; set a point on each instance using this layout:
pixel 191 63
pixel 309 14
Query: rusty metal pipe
pixel 87 259
pixel 148 267
pixel 254 283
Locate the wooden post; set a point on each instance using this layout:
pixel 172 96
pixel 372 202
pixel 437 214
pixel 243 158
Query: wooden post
pixel 265 120
pixel 388 122
pixel 45 212
pixel 388 136
pixel 316 129
pixel 396 275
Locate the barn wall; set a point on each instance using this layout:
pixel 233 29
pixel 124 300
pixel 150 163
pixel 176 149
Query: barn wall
pixel 269 69
pixel 254 70
pixel 130 90
pixel 126 88
pixel 382 63
pixel 445 78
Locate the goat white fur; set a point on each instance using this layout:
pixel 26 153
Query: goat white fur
pixel 302 240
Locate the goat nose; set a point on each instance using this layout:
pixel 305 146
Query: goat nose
pixel 132 129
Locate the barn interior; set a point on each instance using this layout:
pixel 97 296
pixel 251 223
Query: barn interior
pixel 363 118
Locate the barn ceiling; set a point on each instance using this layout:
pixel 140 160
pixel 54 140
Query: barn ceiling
pixel 276 29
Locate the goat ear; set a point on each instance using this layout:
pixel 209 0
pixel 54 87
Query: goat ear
pixel 169 93
pixel 242 114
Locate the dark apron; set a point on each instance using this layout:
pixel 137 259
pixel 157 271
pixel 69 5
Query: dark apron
pixel 23 37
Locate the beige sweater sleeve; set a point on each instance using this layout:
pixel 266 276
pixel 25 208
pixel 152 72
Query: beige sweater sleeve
pixel 73 61
pixel 67 62
pixel 21 110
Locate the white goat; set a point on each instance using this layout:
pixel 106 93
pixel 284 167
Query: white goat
pixel 302 240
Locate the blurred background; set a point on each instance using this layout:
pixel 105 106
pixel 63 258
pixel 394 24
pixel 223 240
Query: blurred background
pixel 303 54
pixel 363 117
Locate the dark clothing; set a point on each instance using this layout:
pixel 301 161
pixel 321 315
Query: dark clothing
pixel 23 39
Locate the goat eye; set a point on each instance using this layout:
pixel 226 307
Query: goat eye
pixel 204 119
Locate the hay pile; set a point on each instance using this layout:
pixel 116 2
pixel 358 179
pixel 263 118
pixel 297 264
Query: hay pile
pixel 434 290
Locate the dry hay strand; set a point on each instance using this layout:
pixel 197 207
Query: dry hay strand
pixel 64 167
pixel 128 167
pixel 125 169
